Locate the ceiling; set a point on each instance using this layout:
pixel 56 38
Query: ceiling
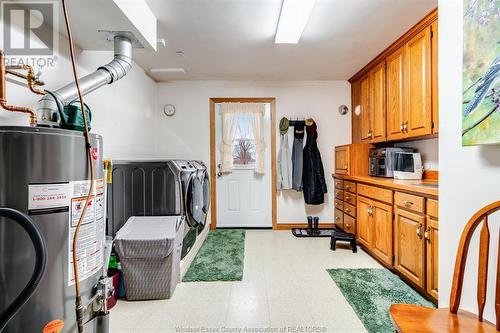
pixel 234 39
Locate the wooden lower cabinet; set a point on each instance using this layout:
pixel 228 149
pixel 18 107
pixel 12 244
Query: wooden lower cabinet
pixel 363 229
pixel 381 224
pixel 409 245
pixel 431 249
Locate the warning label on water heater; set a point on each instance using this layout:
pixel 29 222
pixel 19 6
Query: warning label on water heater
pixel 90 244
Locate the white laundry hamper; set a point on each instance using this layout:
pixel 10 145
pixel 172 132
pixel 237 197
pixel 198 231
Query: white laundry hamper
pixel 150 248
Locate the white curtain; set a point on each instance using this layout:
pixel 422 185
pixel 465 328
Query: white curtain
pixel 229 112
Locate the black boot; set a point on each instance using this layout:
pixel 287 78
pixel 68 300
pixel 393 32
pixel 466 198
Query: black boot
pixel 316 224
pixel 310 225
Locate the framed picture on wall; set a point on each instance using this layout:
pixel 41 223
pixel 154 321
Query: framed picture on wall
pixel 481 73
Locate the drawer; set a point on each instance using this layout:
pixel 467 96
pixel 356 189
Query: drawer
pixel 350 186
pixel 339 204
pixel 376 193
pixel 409 201
pixel 349 224
pixel 339 217
pixel 339 194
pixel 350 209
pixel 339 183
pixel 350 198
pixel 432 208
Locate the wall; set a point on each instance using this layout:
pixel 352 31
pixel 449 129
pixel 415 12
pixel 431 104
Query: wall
pixel 428 148
pixel 469 176
pixel 186 135
pixel 118 110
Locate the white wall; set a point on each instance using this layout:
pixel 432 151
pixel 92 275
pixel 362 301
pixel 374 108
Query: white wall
pixel 469 176
pixel 122 112
pixel 186 135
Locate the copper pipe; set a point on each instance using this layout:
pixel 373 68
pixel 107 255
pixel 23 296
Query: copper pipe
pixel 30 77
pixel 3 97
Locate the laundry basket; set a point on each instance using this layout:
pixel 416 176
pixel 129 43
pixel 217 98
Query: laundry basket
pixel 150 251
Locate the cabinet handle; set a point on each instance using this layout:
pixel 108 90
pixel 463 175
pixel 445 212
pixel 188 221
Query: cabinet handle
pixel 337 218
pixel 419 230
pixel 347 210
pixel 402 127
pixel 427 234
pixel 370 210
pixel 408 203
pixel 347 226
pixel 405 126
pixel 347 198
pixel 347 187
pixel 337 204
pixel 345 166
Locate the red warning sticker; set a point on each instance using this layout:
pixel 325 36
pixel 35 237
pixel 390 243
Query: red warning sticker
pixel 55 326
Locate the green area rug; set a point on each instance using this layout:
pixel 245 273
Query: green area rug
pixel 220 258
pixel 371 292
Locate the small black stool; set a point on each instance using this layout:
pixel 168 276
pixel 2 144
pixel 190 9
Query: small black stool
pixel 344 237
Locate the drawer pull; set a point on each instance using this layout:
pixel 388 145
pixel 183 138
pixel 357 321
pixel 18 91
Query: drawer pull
pixel 419 230
pixel 347 198
pixel 408 203
pixel 347 226
pixel 370 210
pixel 427 234
pixel 337 218
pixel 347 210
pixel 405 126
pixel 347 187
pixel 345 166
pixel 337 204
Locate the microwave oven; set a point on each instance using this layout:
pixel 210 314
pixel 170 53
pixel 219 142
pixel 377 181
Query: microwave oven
pixel 408 166
pixel 383 160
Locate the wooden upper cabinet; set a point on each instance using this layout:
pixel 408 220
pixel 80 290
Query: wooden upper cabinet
pixel 377 104
pixel 409 245
pixel 396 95
pixel 342 160
pixel 364 102
pixel 381 223
pixel 418 56
pixel 434 71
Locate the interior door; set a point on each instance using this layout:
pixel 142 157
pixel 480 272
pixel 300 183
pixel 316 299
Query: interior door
pixel 244 198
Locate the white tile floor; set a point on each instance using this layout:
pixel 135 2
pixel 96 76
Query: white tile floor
pixel 285 285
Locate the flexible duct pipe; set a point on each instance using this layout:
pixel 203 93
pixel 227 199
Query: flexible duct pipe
pixel 47 109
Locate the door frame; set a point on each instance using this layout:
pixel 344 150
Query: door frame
pixel 213 167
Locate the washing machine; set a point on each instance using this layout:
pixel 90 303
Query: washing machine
pixel 202 184
pixel 187 173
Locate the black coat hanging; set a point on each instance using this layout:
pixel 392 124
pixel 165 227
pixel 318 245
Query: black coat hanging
pixel 313 175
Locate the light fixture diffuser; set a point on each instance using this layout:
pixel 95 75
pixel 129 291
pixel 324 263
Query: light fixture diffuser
pixel 293 19
pixel 168 70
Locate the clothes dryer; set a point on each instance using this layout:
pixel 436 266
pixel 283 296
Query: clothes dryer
pixel 202 185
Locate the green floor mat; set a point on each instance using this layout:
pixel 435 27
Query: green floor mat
pixel 371 292
pixel 220 258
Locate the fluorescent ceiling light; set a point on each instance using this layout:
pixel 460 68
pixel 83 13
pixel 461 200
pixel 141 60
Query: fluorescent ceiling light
pixel 168 70
pixel 293 18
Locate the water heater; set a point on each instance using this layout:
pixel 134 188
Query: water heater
pixel 44 173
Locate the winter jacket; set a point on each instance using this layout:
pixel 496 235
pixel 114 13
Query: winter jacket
pixel 313 175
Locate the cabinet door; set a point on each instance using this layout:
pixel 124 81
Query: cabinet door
pixel 363 229
pixel 409 245
pixel 431 249
pixel 377 103
pixel 365 108
pixel 434 74
pixel 381 224
pixel 342 160
pixel 396 95
pixel 418 56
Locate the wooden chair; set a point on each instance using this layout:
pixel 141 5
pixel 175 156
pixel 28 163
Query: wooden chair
pixel 414 318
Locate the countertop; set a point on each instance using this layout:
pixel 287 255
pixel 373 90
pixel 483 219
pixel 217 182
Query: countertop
pixel 423 187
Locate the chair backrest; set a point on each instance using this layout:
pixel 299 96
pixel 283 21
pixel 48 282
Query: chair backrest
pixel 484 245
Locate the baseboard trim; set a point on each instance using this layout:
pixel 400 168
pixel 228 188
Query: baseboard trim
pixel 289 226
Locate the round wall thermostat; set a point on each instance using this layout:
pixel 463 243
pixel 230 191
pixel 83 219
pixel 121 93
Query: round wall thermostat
pixel 169 110
pixel 343 109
